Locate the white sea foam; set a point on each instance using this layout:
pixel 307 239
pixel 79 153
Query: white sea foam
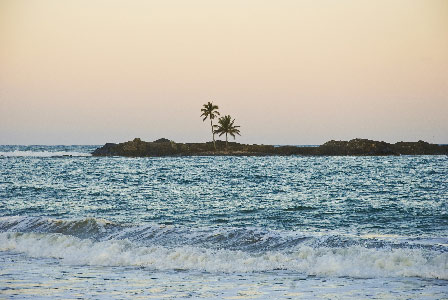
pixel 18 153
pixel 353 261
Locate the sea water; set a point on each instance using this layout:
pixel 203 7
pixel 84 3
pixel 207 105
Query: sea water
pixel 74 226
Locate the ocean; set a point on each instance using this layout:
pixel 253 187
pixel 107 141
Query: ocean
pixel 74 226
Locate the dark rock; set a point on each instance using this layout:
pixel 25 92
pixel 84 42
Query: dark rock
pixel 355 147
pixel 162 140
pixel 420 148
pixel 109 149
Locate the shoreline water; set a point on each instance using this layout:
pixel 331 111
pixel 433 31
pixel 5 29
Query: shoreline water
pixel 283 227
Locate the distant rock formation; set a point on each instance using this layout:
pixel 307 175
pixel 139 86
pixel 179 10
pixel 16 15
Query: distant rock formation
pixel 355 147
pixel 162 140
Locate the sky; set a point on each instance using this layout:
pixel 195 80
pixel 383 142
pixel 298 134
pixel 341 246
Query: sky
pixel 289 71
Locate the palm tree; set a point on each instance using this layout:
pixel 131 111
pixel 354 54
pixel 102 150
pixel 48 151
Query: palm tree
pixel 226 126
pixel 210 111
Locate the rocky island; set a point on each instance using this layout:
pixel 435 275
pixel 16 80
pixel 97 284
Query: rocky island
pixel 355 147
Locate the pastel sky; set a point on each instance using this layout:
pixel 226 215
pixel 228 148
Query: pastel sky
pixel 289 71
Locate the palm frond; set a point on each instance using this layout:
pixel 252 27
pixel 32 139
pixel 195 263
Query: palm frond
pixel 226 125
pixel 209 110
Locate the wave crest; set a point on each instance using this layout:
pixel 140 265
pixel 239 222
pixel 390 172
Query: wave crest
pixel 354 261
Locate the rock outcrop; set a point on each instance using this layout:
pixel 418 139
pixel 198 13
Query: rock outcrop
pixel 162 140
pixel 355 147
pixel 419 148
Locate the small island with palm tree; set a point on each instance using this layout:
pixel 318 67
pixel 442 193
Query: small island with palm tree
pixel 226 126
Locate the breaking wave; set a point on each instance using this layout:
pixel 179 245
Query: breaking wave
pixel 354 261
pixel 93 241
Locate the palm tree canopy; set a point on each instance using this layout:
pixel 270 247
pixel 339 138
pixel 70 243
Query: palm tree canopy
pixel 209 111
pixel 225 125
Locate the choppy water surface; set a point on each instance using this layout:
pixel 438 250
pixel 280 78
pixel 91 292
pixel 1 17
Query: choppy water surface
pixel 72 225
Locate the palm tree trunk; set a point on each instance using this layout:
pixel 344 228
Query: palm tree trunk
pixel 213 134
pixel 226 141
